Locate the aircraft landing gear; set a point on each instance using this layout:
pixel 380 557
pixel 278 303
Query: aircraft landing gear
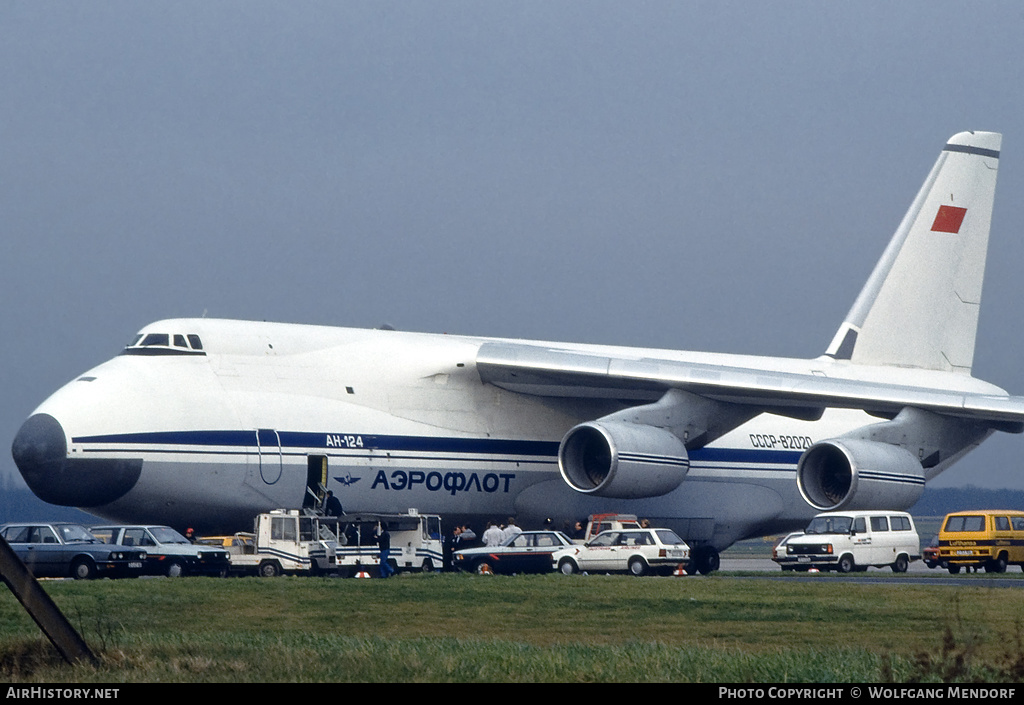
pixel 704 559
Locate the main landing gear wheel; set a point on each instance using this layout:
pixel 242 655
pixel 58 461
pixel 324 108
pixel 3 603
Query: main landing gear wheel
pixel 705 559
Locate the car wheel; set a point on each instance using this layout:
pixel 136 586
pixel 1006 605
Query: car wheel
pixel 483 568
pixel 846 564
pixel 83 569
pixel 953 569
pixel 428 566
pixel 900 566
pixel 269 569
pixel 175 569
pixel 637 566
pixel 568 566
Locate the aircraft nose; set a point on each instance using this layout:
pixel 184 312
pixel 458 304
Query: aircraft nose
pixel 40 451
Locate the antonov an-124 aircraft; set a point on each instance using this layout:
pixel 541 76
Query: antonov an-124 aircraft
pixel 204 423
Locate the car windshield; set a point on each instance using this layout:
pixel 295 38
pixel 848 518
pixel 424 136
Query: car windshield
pixel 75 532
pixel 165 534
pixel 965 523
pixel 830 525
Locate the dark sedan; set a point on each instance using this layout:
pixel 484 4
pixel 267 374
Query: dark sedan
pixel 528 552
pixel 62 550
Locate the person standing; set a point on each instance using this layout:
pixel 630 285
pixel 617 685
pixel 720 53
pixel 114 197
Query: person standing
pixel 492 536
pixel 510 531
pixel 332 505
pixel 384 544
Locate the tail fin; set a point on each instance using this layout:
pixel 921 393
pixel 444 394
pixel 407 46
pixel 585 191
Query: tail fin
pixel 920 306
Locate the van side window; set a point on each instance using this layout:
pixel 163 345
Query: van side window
pixel 879 524
pixel 1018 523
pixel 859 526
pixel 1002 523
pixel 899 523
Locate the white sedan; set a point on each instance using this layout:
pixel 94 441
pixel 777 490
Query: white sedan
pixel 636 551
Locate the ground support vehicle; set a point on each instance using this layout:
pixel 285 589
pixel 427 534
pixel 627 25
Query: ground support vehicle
pixel 527 552
pixel 288 541
pixel 634 551
pixel 241 548
pixel 235 544
pixel 167 552
pixel 307 542
pixel 61 550
pixel 991 539
pixel 596 523
pixel 415 543
pixel 849 541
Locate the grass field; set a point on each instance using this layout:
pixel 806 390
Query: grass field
pixel 550 628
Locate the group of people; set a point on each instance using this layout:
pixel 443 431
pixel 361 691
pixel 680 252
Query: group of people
pixel 463 536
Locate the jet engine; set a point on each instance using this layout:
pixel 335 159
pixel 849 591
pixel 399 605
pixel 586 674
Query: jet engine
pixel 858 474
pixel 622 459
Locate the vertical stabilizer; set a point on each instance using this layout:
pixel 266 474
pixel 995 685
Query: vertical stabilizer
pixel 920 306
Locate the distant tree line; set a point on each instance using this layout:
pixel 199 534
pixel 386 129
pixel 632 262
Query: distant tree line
pixel 939 502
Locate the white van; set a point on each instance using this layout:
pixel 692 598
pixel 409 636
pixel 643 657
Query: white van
pixel 848 541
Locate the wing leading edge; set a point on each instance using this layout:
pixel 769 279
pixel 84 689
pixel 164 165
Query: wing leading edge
pixel 544 371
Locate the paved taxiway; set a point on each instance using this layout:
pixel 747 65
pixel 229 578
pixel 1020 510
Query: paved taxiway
pixel 918 574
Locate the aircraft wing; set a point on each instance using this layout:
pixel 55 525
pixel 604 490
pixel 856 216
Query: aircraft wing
pixel 545 371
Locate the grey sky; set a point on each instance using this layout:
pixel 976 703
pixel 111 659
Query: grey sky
pixel 701 175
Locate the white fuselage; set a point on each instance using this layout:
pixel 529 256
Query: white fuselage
pixel 403 421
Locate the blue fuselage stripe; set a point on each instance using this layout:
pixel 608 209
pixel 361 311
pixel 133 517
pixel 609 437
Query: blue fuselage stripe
pixel 226 442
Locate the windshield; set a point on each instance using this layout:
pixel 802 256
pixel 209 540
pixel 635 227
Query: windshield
pixel 830 525
pixel 165 534
pixel 75 532
pixel 965 523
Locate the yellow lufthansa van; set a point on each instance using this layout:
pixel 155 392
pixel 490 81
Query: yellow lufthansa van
pixel 989 538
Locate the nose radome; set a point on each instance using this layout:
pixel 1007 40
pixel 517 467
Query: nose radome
pixel 40 451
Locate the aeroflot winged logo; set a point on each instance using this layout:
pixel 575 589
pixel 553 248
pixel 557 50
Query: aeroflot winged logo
pixel 948 219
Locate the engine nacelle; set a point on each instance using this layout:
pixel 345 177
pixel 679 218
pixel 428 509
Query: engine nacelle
pixel 858 474
pixel 622 460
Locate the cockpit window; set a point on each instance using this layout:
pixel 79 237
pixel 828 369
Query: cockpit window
pixel 155 339
pixel 165 344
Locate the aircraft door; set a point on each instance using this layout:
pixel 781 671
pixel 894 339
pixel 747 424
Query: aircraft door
pixel 271 457
pixel 316 481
